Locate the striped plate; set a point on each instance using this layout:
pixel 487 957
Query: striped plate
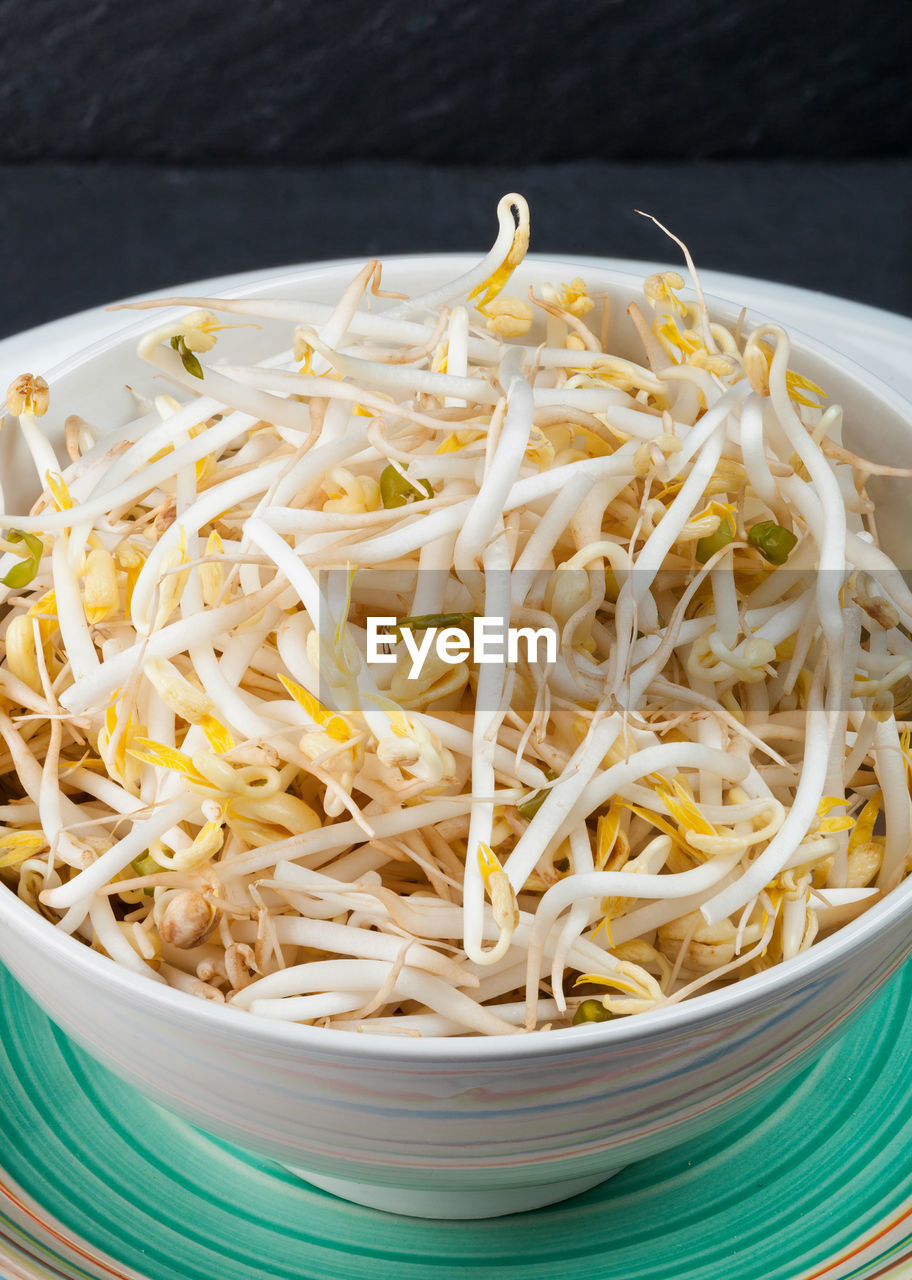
pixel 97 1181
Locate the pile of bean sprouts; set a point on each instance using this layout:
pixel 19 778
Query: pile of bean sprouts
pixel 203 778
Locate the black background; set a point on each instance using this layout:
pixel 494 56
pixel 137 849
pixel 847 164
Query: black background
pixel 145 145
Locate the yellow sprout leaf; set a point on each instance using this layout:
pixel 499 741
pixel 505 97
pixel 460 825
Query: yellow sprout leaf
pixel 864 823
pixel 827 826
pixel 657 821
pixel 156 753
pixel 111 714
pixel 16 846
pixel 606 836
pixel 441 354
pixel 458 440
pixel 206 466
pixel 796 383
pixel 219 736
pixel 676 341
pixel 719 510
pixel 399 722
pixel 603 980
pixel 488 862
pixel 59 491
pixel 334 725
pixel 46 606
pixel 669 491
pixel 680 803
pixel 491 287
pixel 45 610
pixel 116 762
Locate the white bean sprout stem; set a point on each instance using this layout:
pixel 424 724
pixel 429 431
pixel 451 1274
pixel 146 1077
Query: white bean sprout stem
pixel 212 774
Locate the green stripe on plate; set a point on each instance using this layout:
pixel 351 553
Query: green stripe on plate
pixel 786 1191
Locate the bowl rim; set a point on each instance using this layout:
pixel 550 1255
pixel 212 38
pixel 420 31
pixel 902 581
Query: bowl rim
pixel 776 983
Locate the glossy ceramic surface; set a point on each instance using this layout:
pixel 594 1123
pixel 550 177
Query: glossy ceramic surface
pixel 464 1116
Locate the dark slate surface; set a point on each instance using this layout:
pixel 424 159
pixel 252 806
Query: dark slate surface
pixel 78 235
pixel 304 81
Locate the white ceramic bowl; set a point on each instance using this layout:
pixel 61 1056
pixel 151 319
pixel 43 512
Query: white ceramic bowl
pixel 465 1127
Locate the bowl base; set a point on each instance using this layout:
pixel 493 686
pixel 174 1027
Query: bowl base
pixel 444 1202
